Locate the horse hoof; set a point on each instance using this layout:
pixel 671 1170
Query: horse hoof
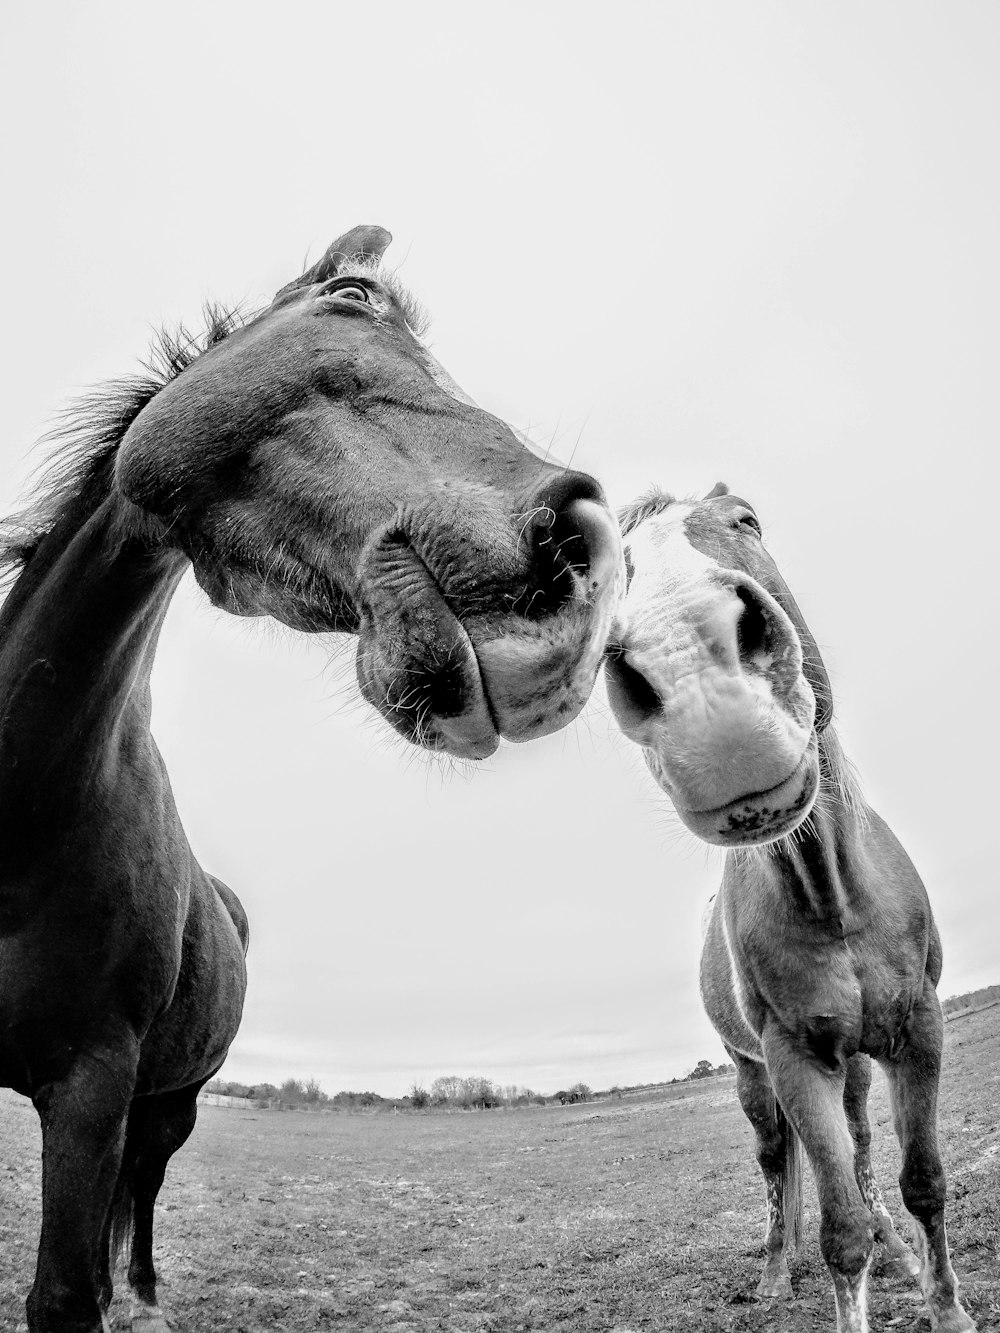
pixel 898 1260
pixel 775 1286
pixel 148 1319
pixel 953 1320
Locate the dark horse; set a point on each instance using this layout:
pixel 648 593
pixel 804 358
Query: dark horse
pixel 316 464
pixel 820 950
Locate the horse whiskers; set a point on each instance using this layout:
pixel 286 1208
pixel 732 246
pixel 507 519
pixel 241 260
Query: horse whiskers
pixel 526 518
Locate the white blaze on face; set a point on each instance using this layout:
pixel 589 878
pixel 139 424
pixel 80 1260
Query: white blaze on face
pixel 719 732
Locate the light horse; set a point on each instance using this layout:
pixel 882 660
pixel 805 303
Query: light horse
pixel 316 464
pixel 820 949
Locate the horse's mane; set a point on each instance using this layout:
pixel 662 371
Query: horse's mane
pixel 839 781
pixel 88 436
pixel 91 430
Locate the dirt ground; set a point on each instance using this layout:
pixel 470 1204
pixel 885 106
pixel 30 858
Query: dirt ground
pixel 617 1216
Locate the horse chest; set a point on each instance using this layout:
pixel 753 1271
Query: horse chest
pixel 811 987
pixel 840 1005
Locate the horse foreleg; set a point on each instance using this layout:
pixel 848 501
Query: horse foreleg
pixel 772 1133
pixel 103 1275
pixel 83 1130
pixel 159 1125
pixel 812 1096
pixel 913 1084
pixel 899 1259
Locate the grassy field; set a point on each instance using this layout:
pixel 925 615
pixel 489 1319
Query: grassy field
pixel 641 1214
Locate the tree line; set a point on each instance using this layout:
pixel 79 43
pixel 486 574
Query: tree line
pixel 973 999
pixel 450 1092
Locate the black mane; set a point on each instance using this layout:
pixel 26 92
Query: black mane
pixel 93 428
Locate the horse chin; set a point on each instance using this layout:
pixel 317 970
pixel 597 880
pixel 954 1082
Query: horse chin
pixel 426 681
pixel 464 692
pixel 760 817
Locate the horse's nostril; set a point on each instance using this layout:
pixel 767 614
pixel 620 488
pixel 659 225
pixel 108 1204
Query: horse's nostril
pixel 752 627
pixel 570 542
pixel 633 700
pixel 574 551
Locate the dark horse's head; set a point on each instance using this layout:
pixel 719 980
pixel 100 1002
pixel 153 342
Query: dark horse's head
pixel 717 676
pixel 318 465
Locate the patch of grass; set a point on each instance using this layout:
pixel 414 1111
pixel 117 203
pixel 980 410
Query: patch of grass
pixel 628 1216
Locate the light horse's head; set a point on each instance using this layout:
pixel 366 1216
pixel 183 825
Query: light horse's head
pixel 319 466
pixel 717 676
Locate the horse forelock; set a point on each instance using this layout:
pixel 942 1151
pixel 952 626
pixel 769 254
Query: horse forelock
pixel 654 502
pixel 91 429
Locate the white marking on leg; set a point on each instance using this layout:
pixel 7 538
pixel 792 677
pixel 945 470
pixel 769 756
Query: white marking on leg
pixel 851 1294
pixel 147 1318
pixel 775 1279
pixel 940 1287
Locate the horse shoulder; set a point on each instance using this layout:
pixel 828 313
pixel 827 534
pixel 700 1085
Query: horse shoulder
pixel 190 1037
pixel 729 1003
pixel 235 909
pixel 900 907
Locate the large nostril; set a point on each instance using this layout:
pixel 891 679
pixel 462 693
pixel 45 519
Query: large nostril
pixel 752 626
pixel 573 545
pixel 633 700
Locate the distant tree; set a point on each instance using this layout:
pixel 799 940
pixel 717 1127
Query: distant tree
pixel 580 1092
pixel 419 1097
pixel 703 1069
pixel 514 1094
pixel 971 999
pixel 312 1093
pixel 446 1089
pixel 291 1093
pixel 224 1089
pixel 355 1101
pixel 478 1093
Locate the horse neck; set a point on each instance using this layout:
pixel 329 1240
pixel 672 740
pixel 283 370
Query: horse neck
pixel 821 864
pixel 77 637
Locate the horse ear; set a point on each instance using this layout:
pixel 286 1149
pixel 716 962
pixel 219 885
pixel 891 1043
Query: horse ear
pixel 358 243
pixel 720 488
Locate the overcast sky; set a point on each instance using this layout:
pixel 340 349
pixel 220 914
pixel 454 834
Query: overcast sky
pixel 679 243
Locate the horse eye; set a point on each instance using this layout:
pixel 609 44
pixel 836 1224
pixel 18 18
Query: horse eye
pixel 348 291
pixel 351 291
pixel 747 520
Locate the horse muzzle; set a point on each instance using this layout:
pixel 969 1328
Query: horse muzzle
pixel 757 817
pixel 455 662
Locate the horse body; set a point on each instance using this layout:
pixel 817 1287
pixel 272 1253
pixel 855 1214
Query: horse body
pixel 96 876
pixel 820 949
pixel 318 466
pixel 798 933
